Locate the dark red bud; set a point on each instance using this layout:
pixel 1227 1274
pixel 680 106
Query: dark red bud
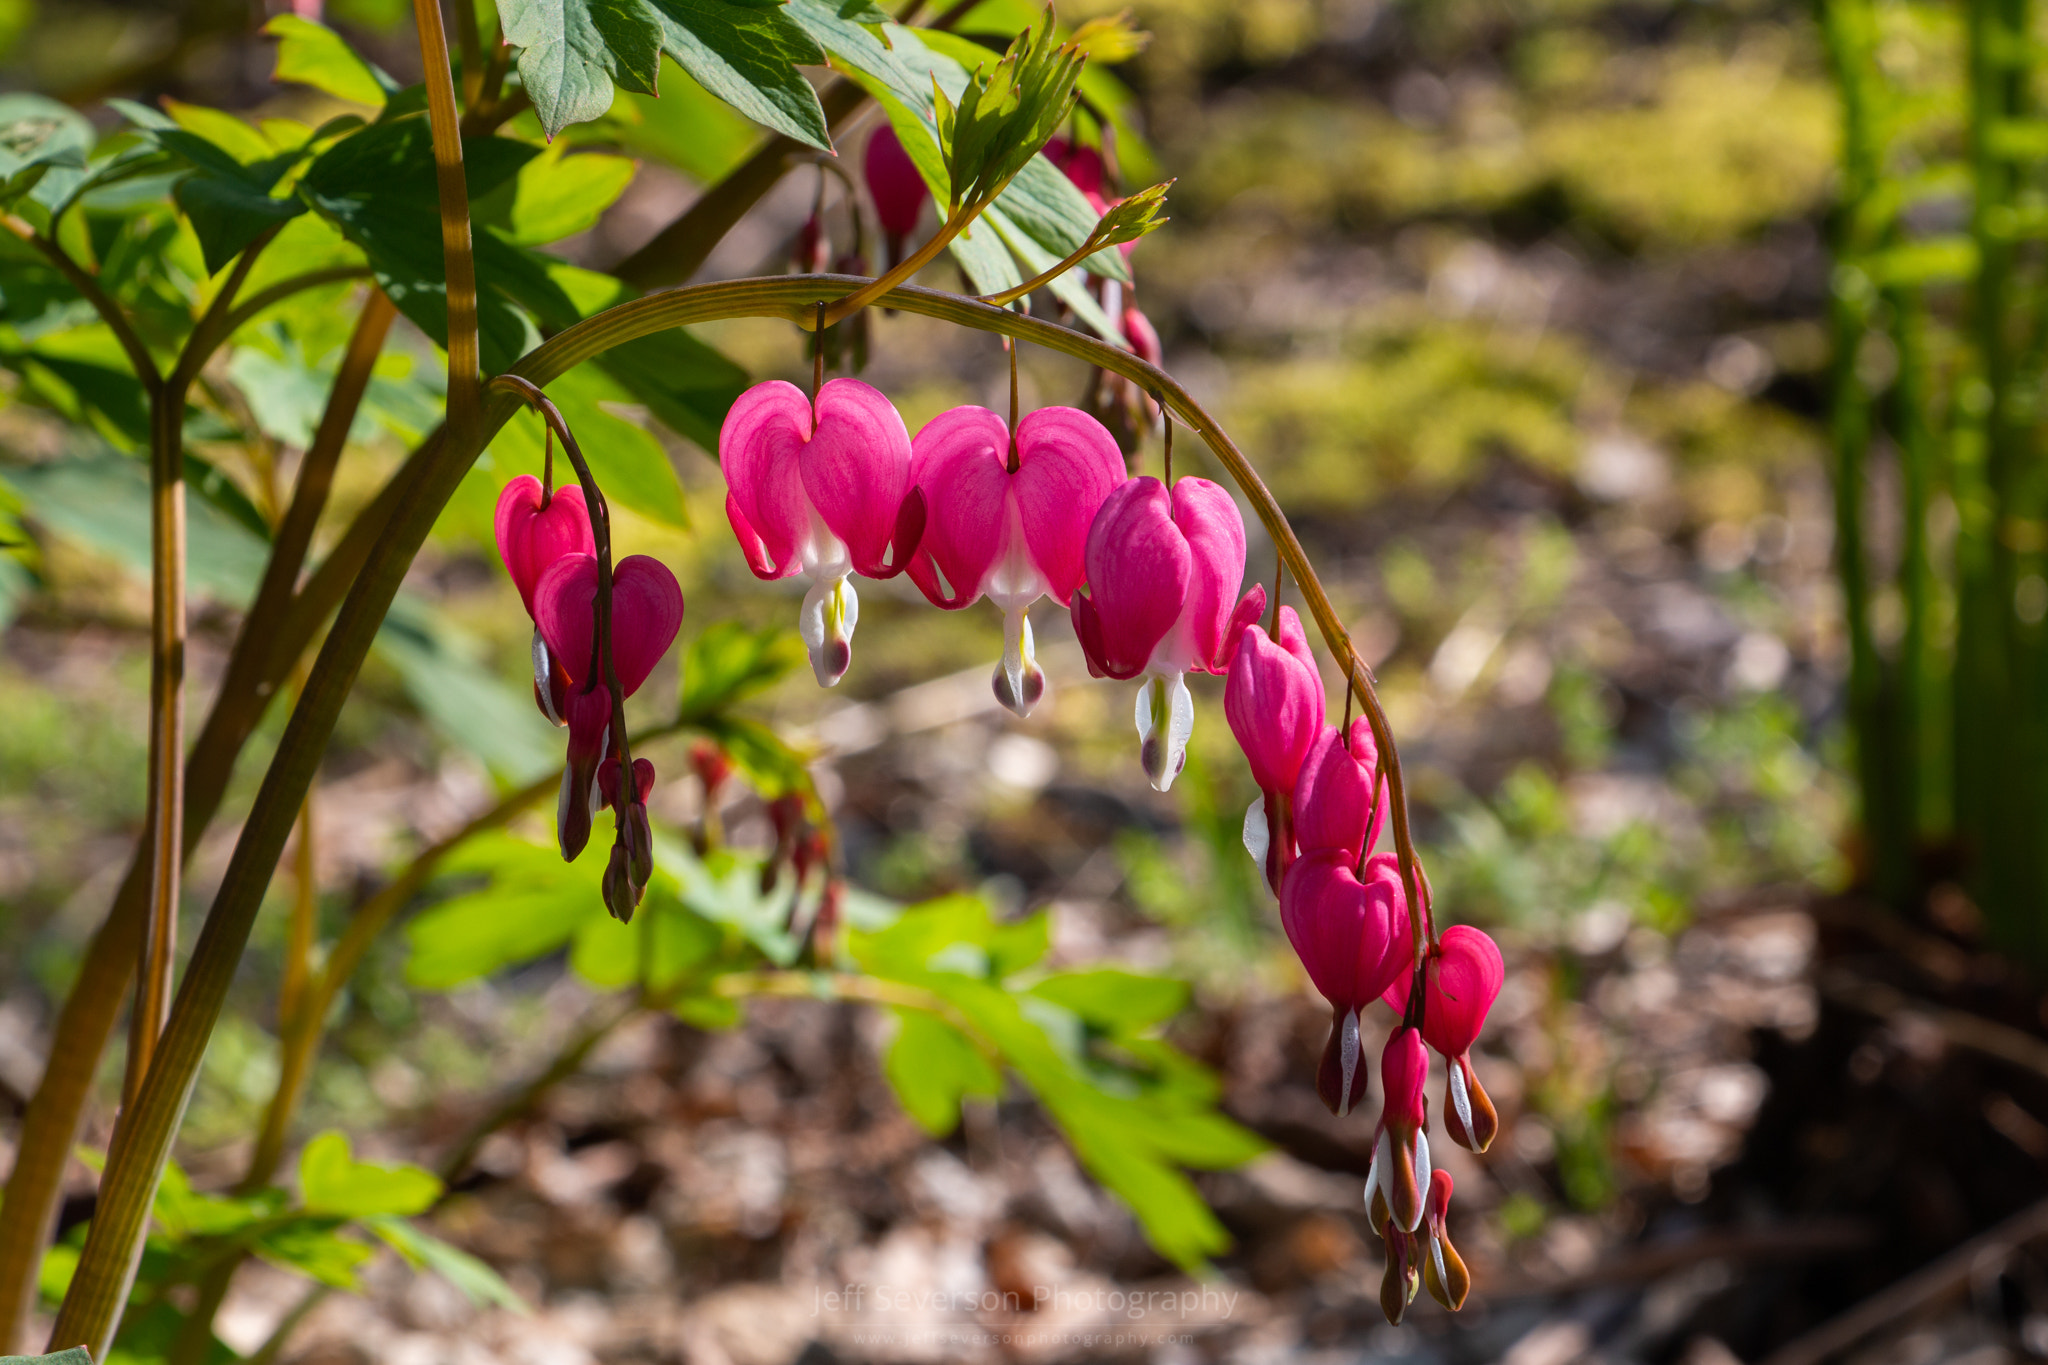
pixel 621 897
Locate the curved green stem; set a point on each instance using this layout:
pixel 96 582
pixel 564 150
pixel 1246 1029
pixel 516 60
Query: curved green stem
pixel 110 312
pixel 277 293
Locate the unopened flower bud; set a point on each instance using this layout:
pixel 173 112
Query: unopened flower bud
pixel 812 247
pixel 1398 1284
pixel 1443 1270
pixel 621 897
pixel 1400 1162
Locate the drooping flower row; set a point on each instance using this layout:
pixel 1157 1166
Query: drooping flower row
pixel 1322 807
pixel 835 487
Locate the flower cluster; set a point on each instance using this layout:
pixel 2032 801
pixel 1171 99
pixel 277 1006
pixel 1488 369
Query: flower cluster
pixel 548 542
pixel 973 508
pixel 1322 806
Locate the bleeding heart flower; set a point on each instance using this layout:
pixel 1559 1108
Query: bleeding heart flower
pixel 1162 572
pixel 1443 1269
pixel 1335 806
pixel 823 491
pixel 530 538
pixel 1274 702
pixel 1014 535
pixel 1464 974
pixel 1400 1160
pixel 1342 927
pixel 647 611
pixel 898 190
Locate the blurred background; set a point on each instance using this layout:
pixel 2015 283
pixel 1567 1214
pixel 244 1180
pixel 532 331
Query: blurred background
pixel 1522 307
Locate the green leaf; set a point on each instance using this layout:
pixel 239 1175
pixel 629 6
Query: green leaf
pixel 932 1066
pixel 571 52
pixel 1013 947
pixel 310 53
pixel 77 1355
pixel 555 196
pixel 688 127
pixel 43 145
pixel 1040 200
pixel 1067 287
pixel 846 37
pixel 332 1181
pixel 228 213
pixel 530 903
pixel 727 663
pixel 102 502
pixel 480 1284
pixel 183 1213
pixel 747 56
pixel 377 187
pixel 724 887
pixel 1003 114
pixel 1117 1000
pixel 608 955
pixel 1134 1109
pixel 314 1248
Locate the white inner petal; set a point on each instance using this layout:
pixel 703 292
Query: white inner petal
pixel 1258 840
pixel 823 554
pixel 830 611
pixel 1461 1099
pixel 1421 1178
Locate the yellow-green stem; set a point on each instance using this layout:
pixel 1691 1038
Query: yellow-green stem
pixel 465 359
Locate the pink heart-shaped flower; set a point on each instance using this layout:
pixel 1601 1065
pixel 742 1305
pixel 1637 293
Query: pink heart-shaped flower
pixel 532 537
pixel 1274 702
pixel 1342 928
pixel 1465 974
pixel 1015 535
pixel 792 471
pixel 647 611
pixel 1334 804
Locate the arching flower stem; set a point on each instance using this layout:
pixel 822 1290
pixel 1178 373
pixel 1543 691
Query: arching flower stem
pixel 795 297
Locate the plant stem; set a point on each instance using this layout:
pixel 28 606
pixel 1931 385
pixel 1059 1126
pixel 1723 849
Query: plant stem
pixel 110 312
pixel 905 270
pixel 465 365
pixel 284 289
